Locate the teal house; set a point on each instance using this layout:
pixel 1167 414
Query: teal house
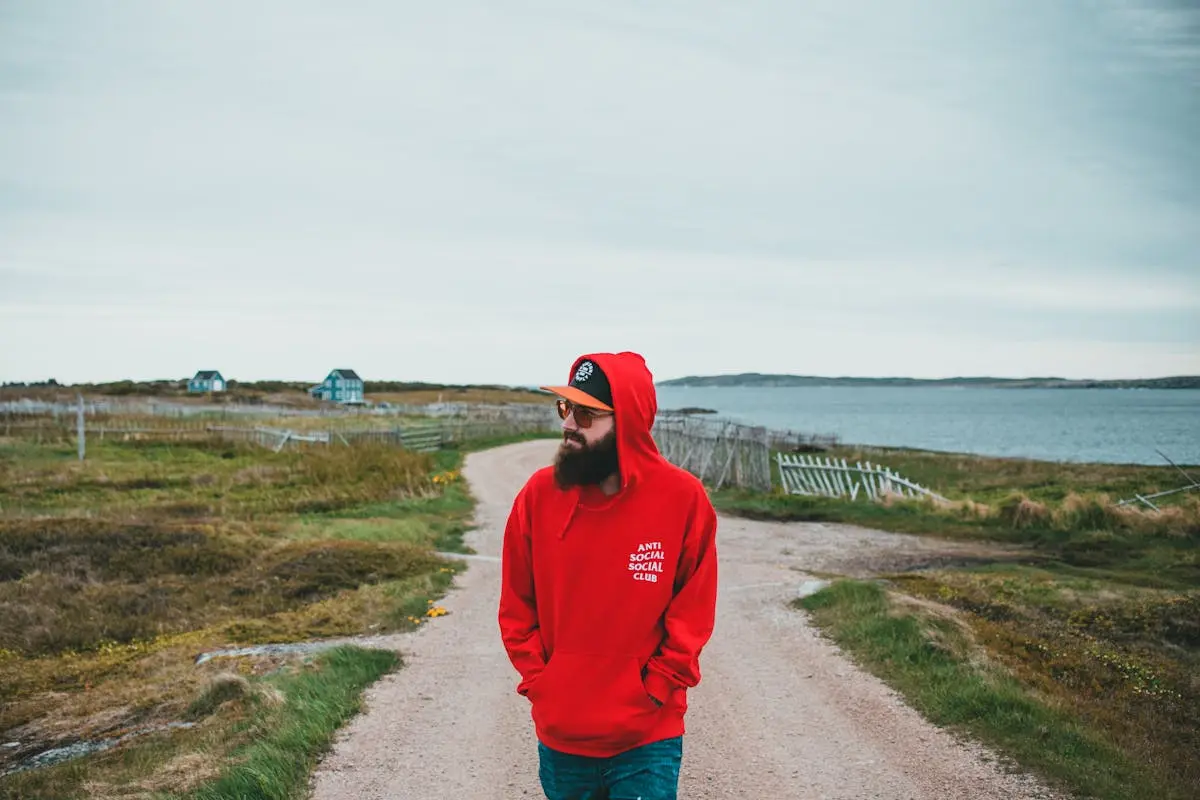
pixel 206 380
pixel 341 386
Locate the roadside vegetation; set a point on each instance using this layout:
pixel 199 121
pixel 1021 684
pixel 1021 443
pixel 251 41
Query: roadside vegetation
pixel 272 392
pixel 117 572
pixel 1077 656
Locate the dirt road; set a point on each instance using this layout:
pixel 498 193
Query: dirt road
pixel 779 713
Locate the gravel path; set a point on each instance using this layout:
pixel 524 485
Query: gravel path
pixel 779 712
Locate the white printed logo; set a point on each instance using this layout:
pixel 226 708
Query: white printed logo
pixel 647 563
pixel 585 371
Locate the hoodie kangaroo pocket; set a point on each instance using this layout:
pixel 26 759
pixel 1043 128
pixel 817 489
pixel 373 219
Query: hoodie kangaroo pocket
pixel 581 696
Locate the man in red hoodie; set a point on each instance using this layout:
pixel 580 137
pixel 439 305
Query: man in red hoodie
pixel 609 591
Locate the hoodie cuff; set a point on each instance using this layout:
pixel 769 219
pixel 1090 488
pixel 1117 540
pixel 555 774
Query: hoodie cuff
pixel 657 686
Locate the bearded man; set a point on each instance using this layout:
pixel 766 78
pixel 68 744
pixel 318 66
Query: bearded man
pixel 608 595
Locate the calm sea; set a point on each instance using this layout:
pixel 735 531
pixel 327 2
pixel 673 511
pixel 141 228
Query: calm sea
pixel 1116 426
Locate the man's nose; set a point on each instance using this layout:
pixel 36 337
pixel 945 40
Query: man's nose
pixel 569 423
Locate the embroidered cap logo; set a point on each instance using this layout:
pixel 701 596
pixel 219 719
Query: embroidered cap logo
pixel 585 371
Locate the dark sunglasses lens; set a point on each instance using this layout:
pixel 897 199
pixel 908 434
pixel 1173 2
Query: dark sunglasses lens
pixel 583 415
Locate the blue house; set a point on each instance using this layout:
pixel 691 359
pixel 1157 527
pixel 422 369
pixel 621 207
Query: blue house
pixel 341 386
pixel 207 380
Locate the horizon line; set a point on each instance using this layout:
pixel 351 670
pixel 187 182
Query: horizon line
pixel 44 382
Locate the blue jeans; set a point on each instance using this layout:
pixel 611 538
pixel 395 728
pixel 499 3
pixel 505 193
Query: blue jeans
pixel 649 772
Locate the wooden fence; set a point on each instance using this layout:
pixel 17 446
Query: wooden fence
pixel 162 408
pixel 57 428
pixel 446 432
pixel 424 436
pixel 118 407
pixel 814 476
pixel 720 453
pixel 272 438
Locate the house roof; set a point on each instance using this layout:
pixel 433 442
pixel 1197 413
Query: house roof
pixel 206 374
pixel 348 373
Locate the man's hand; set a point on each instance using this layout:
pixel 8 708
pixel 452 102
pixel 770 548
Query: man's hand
pixel 657 702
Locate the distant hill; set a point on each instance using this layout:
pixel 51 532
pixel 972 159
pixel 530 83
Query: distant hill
pixel 758 379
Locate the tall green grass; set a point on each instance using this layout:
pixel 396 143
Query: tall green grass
pixel 931 662
pixel 289 740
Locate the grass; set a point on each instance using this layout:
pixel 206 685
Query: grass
pixel 1075 655
pixel 287 740
pixel 289 393
pixel 1075 525
pixel 457 394
pixel 989 480
pixel 115 573
pixel 203 479
pixel 1120 658
pixel 934 664
pixel 256 737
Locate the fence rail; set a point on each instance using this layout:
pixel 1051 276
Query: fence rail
pixel 532 412
pixel 422 436
pixel 719 452
pixel 813 476
pixel 271 438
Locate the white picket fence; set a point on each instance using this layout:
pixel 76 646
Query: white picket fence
pixel 826 477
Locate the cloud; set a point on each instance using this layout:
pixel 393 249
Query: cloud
pixel 719 185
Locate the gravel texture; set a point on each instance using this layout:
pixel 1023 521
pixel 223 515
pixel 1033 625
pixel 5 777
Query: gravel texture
pixel 779 713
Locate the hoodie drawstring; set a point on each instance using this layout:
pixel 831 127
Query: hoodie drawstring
pixel 573 496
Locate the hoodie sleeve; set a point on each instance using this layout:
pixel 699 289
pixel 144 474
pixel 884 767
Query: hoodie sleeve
pixel 518 615
pixel 691 614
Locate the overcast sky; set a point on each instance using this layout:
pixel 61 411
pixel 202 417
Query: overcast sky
pixel 478 191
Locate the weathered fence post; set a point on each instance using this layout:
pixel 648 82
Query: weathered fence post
pixel 80 431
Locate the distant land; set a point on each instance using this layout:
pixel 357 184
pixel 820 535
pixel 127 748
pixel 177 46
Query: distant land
pixel 758 379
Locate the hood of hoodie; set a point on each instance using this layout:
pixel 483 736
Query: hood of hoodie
pixel 635 405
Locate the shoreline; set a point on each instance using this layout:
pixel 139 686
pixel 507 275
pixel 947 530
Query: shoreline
pixel 1177 382
pixel 1100 427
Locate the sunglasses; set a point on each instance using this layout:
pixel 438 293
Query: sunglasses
pixel 583 415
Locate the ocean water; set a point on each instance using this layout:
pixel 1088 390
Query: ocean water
pixel 1098 425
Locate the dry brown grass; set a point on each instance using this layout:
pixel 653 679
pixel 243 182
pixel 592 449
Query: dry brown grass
pixel 116 573
pixel 1021 512
pixel 78 585
pixel 971 510
pixel 457 395
pixel 962 644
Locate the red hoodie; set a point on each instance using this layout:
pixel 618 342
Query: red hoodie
pixel 606 602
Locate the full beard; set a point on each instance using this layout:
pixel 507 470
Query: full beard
pixel 588 465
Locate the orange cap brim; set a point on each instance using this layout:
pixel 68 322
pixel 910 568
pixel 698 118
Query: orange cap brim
pixel 577 396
